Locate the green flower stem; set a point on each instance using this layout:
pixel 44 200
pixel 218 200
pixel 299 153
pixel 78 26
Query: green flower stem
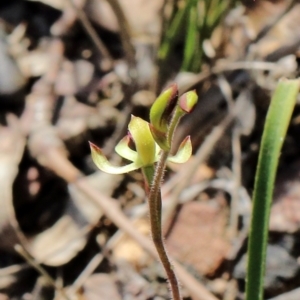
pixel 277 121
pixel 148 173
pixel 153 178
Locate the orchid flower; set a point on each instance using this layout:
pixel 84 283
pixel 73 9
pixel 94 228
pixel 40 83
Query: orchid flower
pixel 150 139
pixel 147 150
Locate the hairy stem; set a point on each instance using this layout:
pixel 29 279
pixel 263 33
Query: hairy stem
pixel 154 178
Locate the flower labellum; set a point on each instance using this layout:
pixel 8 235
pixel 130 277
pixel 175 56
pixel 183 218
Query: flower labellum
pixel 143 140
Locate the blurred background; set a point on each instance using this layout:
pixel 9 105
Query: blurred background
pixel 73 71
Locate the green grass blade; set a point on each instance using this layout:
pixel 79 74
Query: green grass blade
pixel 191 56
pixel 277 121
pixel 177 23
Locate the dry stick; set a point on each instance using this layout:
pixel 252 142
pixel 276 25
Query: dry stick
pixel 125 33
pixel 129 87
pixel 236 160
pixel 22 251
pixel 54 160
pixel 268 27
pixel 13 269
pixel 88 270
pixel 16 150
pixel 229 66
pixel 236 170
pixel 107 62
pixel 96 260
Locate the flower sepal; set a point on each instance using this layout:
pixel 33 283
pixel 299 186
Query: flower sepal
pixel 183 153
pixel 104 165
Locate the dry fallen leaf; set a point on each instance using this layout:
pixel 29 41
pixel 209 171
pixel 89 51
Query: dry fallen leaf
pixel 143 16
pixel 285 211
pixel 60 243
pixel 101 286
pixel 243 26
pixel 198 236
pixel 12 145
pixel 127 249
pixel 11 78
pixel 97 286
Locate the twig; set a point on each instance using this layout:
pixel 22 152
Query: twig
pixel 20 250
pixel 96 260
pixel 125 33
pixel 236 170
pixel 229 66
pixel 129 88
pixel 268 27
pixel 236 154
pixel 11 154
pixel 107 61
pixel 88 270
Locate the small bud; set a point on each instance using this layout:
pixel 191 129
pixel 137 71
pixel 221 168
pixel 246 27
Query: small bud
pixel 188 101
pixel 162 108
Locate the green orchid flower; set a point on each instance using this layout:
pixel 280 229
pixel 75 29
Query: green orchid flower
pixel 146 153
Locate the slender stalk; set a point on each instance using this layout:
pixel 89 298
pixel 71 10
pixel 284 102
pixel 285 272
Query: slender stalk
pixel 100 46
pixel 153 178
pixel 125 32
pixel 277 121
pixel 31 261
